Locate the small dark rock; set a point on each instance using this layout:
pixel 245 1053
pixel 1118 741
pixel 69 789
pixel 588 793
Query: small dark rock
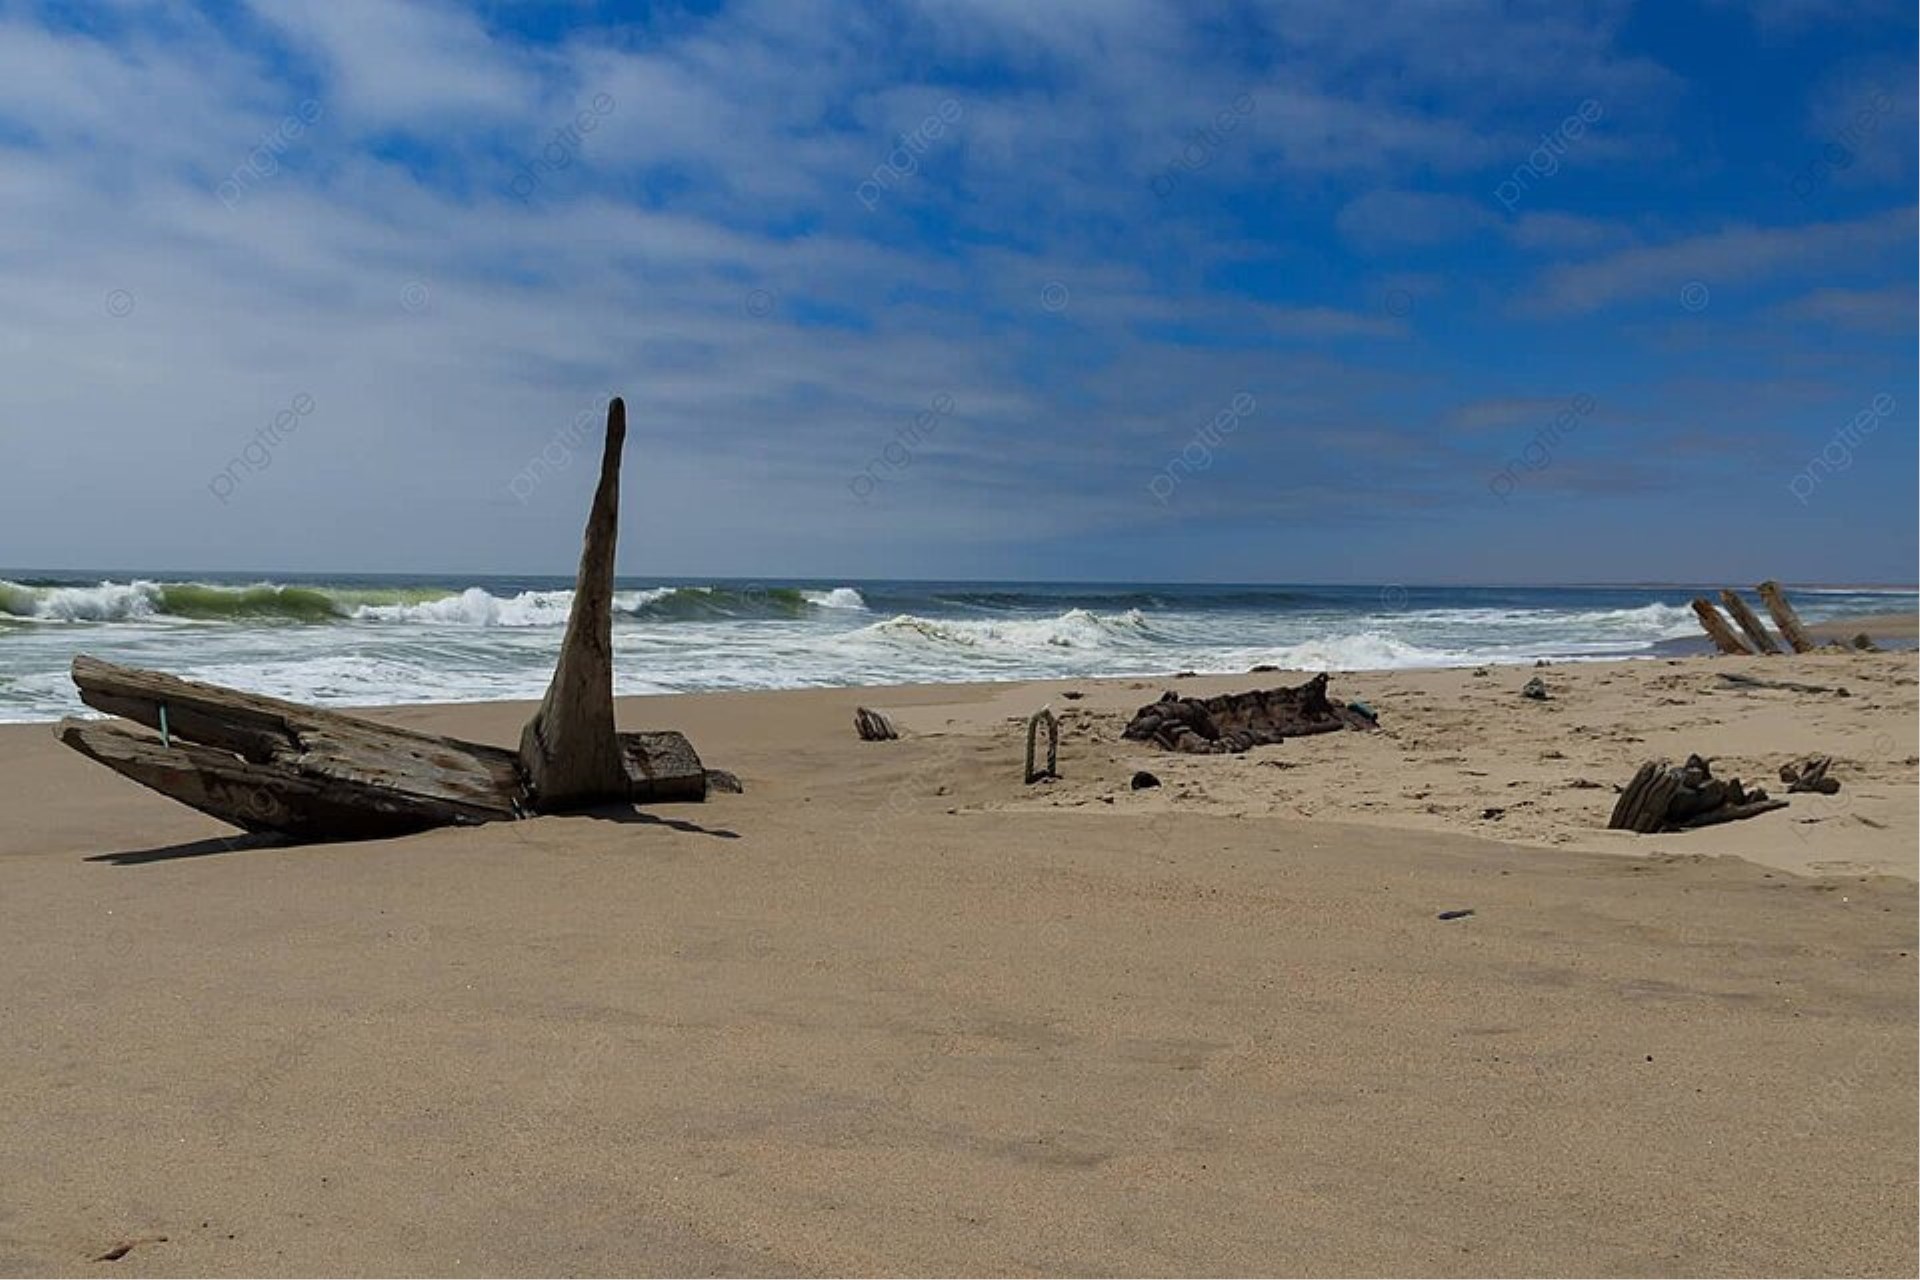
pixel 1072 695
pixel 1536 689
pixel 1142 780
pixel 1460 914
pixel 1493 814
pixel 1262 668
pixel 721 780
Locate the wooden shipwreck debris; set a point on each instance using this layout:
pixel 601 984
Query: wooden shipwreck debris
pixel 1762 642
pixel 1810 774
pixel 1664 798
pixel 266 765
pixel 1043 716
pixel 1716 627
pixel 1235 722
pixel 872 726
pixel 1784 617
pixel 1750 626
pixel 568 749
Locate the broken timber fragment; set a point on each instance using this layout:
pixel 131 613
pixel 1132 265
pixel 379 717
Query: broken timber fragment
pixel 1810 774
pixel 1043 716
pixel 1716 627
pixel 267 765
pixel 1784 617
pixel 569 750
pixel 1750 626
pixel 1664 798
pixel 1235 722
pixel 872 726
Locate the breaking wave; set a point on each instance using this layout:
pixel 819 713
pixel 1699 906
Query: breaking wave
pixel 1074 629
pixel 267 602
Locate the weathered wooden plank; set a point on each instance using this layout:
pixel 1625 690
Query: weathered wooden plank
pixel 569 751
pixel 1784 617
pixel 1716 627
pixel 661 766
pixel 264 797
pixel 322 744
pixel 1750 626
pixel 873 726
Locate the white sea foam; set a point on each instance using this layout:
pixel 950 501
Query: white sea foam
pixel 476 607
pixel 1074 629
pixel 106 602
pixel 838 598
pixel 375 643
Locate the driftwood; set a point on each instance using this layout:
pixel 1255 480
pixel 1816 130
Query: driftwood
pixel 1716 627
pixel 873 726
pixel 1235 722
pixel 1664 798
pixel 1043 716
pixel 266 765
pixel 568 749
pixel 1784 617
pixel 1810 774
pixel 1750 626
pixel 262 764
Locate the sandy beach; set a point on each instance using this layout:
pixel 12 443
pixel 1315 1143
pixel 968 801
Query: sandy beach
pixel 891 1011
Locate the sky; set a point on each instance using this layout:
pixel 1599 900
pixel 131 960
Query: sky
pixel 1454 291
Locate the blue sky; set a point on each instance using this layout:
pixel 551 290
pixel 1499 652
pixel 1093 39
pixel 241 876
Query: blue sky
pixel 1451 291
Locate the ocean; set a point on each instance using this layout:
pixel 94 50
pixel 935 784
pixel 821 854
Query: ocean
pixel 372 640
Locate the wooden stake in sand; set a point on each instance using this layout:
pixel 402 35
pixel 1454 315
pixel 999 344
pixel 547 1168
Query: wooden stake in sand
pixel 1784 617
pixel 1716 627
pixel 1750 625
pixel 266 765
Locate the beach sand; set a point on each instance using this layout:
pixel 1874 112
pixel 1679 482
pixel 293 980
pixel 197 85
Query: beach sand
pixel 892 1011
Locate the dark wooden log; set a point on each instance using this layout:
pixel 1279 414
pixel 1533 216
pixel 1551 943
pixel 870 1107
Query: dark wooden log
pixel 1784 617
pixel 569 750
pixel 429 774
pixel 872 726
pixel 1750 626
pixel 1664 798
pixel 1716 627
pixel 1642 807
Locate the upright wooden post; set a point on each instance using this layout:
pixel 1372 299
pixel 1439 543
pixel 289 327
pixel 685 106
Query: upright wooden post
pixel 1750 625
pixel 569 750
pixel 1784 617
pixel 1716 626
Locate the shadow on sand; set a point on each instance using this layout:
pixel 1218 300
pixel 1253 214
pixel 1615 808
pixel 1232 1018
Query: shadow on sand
pixel 216 845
